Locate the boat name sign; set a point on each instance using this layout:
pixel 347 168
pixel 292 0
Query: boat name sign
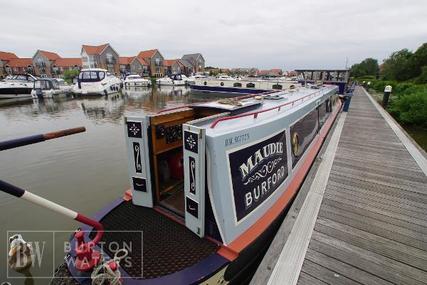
pixel 257 171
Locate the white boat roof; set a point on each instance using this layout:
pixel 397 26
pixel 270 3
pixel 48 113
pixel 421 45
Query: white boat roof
pixel 267 109
pixel 94 69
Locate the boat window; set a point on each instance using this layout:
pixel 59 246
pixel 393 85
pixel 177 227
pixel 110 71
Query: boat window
pixel 93 75
pixel 237 84
pixel 101 75
pixel 250 85
pixel 205 83
pixel 222 83
pixel 277 86
pixel 42 84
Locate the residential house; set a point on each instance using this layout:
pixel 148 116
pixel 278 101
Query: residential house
pixel 124 64
pixel 139 66
pixel 102 56
pixel 19 66
pixel 174 66
pixel 196 60
pixel 43 62
pixel 154 59
pixel 5 57
pixel 275 72
pixel 62 64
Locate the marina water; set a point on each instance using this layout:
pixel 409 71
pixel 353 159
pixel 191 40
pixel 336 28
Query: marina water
pixel 83 172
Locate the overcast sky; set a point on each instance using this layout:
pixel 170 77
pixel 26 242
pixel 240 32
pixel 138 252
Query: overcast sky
pixel 231 33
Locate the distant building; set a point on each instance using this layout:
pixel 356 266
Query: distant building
pixel 124 64
pixel 154 59
pixel 102 56
pixel 43 62
pixel 62 64
pixel 140 66
pixel 196 60
pixel 20 66
pixel 275 72
pixel 5 57
pixel 174 66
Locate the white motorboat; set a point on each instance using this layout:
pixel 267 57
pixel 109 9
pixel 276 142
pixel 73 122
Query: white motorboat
pixel 17 86
pixel 96 81
pixel 49 88
pixel 134 80
pixel 173 80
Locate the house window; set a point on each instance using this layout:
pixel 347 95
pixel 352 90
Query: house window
pixel 277 86
pixel 237 84
pixel 250 85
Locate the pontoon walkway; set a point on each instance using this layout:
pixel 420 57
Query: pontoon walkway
pixel 361 215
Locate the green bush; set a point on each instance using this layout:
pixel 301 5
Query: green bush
pixel 69 75
pixel 411 108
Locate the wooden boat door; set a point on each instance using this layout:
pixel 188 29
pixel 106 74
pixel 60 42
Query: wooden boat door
pixel 138 160
pixel 194 178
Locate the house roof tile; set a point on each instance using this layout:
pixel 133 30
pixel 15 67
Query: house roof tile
pixel 20 62
pixel 7 55
pixel 68 62
pixel 126 59
pixel 147 53
pixel 50 55
pixel 94 50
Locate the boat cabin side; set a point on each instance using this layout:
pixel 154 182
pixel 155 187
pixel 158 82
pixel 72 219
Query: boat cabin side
pixel 222 178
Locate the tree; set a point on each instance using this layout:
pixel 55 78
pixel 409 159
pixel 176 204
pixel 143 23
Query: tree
pixel 399 66
pixel 368 66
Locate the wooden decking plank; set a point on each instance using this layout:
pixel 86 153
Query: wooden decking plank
pixel 344 269
pixel 385 205
pixel 374 226
pixel 307 279
pixel 326 275
pixel 374 187
pixel 383 267
pixel 374 243
pixel 362 193
pixel 391 218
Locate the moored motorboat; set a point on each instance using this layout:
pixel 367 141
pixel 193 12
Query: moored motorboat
pixel 49 88
pixel 210 184
pixel 173 80
pixel 96 81
pixel 17 86
pixel 135 80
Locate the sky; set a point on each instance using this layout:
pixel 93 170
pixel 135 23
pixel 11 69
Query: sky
pixel 234 33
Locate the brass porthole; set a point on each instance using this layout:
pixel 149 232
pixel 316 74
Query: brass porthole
pixel 295 144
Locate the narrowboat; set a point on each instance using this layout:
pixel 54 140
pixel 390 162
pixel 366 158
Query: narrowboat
pixel 210 184
pixel 228 84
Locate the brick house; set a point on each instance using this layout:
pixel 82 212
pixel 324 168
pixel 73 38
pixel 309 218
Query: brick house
pixel 5 57
pixel 174 66
pixel 196 60
pixel 43 62
pixel 62 64
pixel 20 66
pixel 154 59
pixel 102 56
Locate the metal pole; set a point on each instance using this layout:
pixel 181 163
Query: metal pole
pixel 39 138
pixel 35 199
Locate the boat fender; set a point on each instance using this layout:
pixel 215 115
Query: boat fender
pixel 108 272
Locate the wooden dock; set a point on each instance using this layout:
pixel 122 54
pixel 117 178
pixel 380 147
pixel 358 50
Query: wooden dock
pixel 361 215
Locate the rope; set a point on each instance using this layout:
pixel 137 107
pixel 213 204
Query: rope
pixel 104 275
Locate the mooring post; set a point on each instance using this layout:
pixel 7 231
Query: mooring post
pixel 387 93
